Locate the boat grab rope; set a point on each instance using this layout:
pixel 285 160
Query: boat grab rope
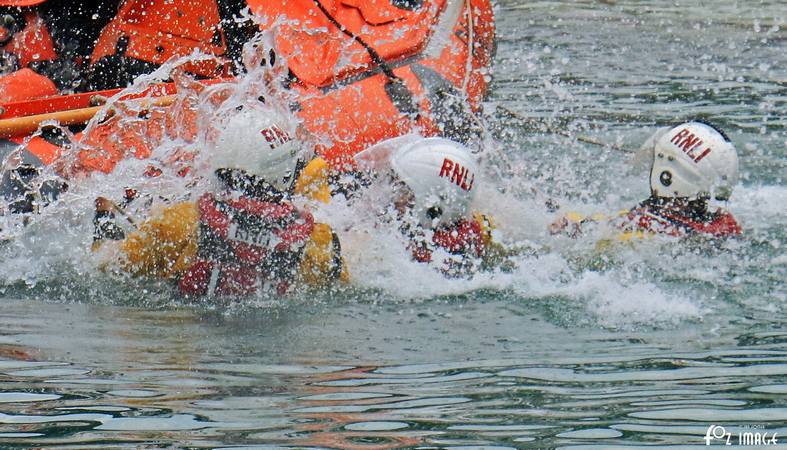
pixel 376 58
pixel 470 47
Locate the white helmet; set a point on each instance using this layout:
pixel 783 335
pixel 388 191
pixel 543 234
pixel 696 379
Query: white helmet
pixel 256 141
pixel 695 161
pixel 442 175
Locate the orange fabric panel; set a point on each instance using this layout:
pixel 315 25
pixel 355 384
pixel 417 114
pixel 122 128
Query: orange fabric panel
pixel 24 85
pixel 452 63
pixel 377 12
pixel 319 53
pixel 33 43
pixel 190 19
pixel 107 40
pixel 353 117
pixel 158 30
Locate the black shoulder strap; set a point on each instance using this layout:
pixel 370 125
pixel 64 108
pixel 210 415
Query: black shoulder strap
pixel 235 33
pixel 337 263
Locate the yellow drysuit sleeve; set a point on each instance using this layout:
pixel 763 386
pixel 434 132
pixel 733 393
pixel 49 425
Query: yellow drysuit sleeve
pixel 322 261
pixel 163 246
pixel 495 254
pixel 313 181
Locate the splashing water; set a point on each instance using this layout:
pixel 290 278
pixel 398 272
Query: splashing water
pixel 573 346
pixel 637 288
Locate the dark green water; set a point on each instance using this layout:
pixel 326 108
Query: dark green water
pixel 662 343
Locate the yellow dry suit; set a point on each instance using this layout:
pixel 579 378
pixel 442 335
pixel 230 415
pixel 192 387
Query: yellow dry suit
pixel 169 244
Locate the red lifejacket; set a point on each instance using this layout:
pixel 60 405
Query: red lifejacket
pixel 245 243
pixel 720 224
pixel 463 238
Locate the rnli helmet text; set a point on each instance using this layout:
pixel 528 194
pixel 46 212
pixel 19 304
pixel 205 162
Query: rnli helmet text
pixel 689 144
pixel 458 174
pixel 275 136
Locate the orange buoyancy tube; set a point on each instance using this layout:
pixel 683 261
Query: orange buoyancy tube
pixel 319 54
pixel 43 150
pixel 344 99
pixel 24 85
pixel 137 131
pixel 33 152
pixel 154 31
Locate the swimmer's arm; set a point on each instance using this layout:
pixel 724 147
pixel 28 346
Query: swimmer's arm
pixel 318 181
pixel 322 261
pixel 572 222
pixel 162 246
pixel 496 255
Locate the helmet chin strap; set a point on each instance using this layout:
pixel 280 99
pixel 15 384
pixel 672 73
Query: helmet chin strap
pixel 693 208
pixel 300 164
pixel 250 185
pixel 434 212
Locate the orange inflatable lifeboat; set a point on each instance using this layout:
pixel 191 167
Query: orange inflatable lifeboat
pixel 361 71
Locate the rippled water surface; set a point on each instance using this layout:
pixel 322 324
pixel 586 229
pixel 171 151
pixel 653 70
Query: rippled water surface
pixel 652 347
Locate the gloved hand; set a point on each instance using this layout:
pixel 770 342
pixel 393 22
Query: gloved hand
pixel 104 224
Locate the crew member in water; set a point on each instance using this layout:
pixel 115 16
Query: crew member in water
pixel 435 181
pixel 692 163
pixel 245 236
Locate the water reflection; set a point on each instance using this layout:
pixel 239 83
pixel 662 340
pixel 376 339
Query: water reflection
pixel 133 378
